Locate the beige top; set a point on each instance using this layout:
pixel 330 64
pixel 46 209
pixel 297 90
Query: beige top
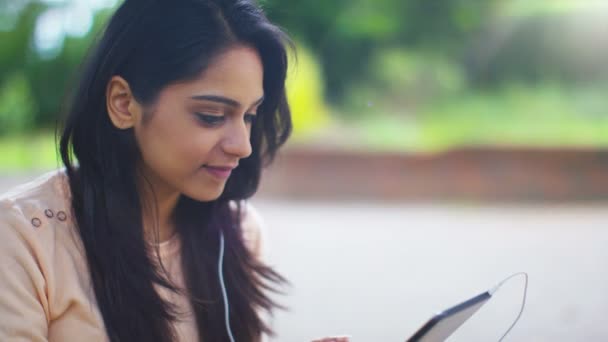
pixel 45 289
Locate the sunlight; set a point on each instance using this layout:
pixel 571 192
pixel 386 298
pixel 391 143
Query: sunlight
pixel 65 18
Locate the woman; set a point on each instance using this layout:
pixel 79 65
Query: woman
pixel 148 236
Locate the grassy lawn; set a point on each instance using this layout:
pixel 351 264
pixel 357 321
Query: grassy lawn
pixel 518 116
pixel 28 152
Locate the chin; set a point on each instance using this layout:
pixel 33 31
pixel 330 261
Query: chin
pixel 206 196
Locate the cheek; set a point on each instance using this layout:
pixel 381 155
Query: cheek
pixel 158 143
pixel 196 149
pixel 176 149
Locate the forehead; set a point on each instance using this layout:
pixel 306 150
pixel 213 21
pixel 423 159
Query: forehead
pixel 236 73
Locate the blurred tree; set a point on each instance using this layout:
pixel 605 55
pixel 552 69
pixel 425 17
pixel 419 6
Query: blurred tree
pixel 360 44
pixel 571 47
pixel 305 92
pixel 46 78
pixel 346 33
pixel 17 105
pixel 17 40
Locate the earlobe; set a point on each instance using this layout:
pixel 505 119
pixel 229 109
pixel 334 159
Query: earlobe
pixel 122 107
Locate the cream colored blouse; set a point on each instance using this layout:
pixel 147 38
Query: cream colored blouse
pixel 45 288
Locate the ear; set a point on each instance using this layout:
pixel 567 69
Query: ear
pixel 124 111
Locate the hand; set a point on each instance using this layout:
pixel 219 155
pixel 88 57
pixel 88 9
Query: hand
pixel 333 339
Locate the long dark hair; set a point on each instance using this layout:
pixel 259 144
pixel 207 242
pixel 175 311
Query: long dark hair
pixel 151 44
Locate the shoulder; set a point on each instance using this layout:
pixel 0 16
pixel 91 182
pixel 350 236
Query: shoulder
pixel 30 209
pixel 253 228
pixel 29 216
pixel 21 251
pixel 48 191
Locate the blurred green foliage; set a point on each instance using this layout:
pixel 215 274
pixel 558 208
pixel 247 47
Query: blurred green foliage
pixel 405 74
pixel 17 105
pixel 305 92
pixel 514 115
pixel 45 79
pixel 402 80
pixel 344 34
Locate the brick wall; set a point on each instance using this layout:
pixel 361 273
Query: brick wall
pixel 475 174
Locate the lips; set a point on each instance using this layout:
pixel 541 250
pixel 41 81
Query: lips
pixel 221 172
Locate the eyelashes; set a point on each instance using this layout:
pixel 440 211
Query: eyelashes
pixel 250 118
pixel 217 120
pixel 209 120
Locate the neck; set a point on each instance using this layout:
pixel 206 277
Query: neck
pixel 158 219
pixel 158 204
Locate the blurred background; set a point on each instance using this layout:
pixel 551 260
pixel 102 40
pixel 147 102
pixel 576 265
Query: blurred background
pixel 439 146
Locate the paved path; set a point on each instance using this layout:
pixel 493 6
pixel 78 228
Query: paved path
pixel 378 271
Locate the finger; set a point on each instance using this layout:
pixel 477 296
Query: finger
pixel 333 339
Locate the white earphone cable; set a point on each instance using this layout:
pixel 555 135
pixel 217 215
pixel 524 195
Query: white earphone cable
pixel 523 304
pixel 220 271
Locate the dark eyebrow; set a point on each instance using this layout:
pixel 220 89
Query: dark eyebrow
pixel 224 100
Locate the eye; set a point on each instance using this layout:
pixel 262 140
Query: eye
pixel 250 118
pixel 209 120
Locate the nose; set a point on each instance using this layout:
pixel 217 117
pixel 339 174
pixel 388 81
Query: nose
pixel 236 141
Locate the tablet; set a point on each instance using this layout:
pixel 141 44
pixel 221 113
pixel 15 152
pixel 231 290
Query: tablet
pixel 443 324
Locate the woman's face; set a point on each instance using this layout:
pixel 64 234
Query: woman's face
pixel 197 131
